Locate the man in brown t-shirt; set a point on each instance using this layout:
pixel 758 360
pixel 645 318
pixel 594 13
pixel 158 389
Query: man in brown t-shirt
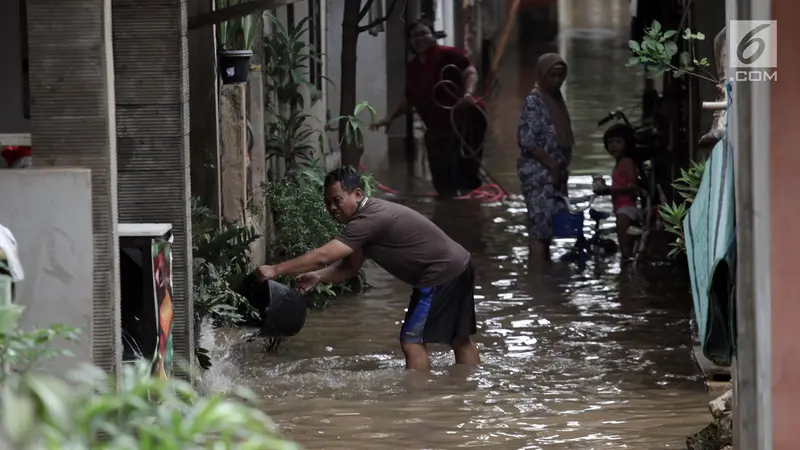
pixel 410 247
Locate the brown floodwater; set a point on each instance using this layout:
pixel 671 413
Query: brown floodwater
pixel 572 359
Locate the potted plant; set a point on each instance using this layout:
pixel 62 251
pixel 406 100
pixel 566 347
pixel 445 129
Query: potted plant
pixel 235 39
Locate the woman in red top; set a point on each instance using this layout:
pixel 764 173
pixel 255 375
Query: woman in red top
pixel 454 169
pixel 619 141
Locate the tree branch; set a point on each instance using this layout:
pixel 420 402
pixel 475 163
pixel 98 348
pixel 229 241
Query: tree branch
pixel 365 10
pixel 379 20
pixel 234 12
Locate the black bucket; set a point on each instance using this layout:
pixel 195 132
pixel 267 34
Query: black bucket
pixel 282 309
pixel 234 66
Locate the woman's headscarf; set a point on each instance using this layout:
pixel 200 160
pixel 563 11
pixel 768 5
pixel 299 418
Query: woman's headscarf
pixel 554 100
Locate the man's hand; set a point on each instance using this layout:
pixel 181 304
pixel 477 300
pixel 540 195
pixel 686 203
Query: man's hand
pixel 308 281
pixel 266 273
pixel 383 123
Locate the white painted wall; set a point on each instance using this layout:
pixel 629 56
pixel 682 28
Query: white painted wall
pixel 445 21
pixel 371 82
pixel 50 213
pixel 12 118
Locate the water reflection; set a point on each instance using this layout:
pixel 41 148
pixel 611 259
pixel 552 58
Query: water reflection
pixel 463 221
pixel 573 359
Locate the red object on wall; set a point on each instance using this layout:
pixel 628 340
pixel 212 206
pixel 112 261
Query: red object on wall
pixel 14 154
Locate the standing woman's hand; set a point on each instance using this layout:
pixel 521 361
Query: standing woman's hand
pixel 556 175
pixel 466 100
pixel 382 123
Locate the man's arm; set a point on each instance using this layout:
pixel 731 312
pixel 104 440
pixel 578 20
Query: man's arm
pixel 401 109
pixel 343 270
pixel 319 258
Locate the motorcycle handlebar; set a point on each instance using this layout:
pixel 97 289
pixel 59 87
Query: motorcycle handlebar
pixel 618 114
pixel 606 119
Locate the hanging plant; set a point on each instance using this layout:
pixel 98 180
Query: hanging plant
pixel 239 33
pixel 236 37
pixel 658 51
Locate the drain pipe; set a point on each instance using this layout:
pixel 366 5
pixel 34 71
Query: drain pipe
pixel 749 133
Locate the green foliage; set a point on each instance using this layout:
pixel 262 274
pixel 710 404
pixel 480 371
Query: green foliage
pixel 674 214
pixel 286 62
pixel 689 181
pixel 221 261
pixel 659 48
pixel 354 126
pixel 302 222
pixel 239 33
pixel 23 350
pixel 87 409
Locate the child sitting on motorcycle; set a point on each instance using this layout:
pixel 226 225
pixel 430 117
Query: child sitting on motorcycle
pixel 619 141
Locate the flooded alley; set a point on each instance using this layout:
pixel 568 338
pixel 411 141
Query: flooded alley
pixel 572 359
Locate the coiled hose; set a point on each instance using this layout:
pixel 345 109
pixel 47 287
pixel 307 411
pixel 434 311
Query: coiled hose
pixel 490 191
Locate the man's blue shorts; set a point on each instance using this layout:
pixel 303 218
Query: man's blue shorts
pixel 440 314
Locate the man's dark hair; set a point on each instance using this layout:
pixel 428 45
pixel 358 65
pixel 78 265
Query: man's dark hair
pixel 347 176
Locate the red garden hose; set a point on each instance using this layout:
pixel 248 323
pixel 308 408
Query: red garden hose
pixel 490 192
pixel 487 193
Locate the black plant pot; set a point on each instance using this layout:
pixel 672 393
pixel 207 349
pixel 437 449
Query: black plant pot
pixel 234 66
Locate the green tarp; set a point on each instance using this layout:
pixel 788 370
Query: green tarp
pixel 710 231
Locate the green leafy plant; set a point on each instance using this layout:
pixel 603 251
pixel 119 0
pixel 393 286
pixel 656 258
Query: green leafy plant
pixel 215 298
pixel 302 223
pixel 354 126
pixel 221 261
pixel 21 351
pixel 88 409
pixel 659 48
pixel 239 33
pixel 674 214
pixel 286 62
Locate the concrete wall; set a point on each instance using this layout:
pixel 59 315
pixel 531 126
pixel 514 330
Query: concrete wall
pixel 152 114
pixel 775 124
pixel 12 118
pixel 371 82
pixel 50 213
pixel 319 109
pixel 396 58
pixel 445 21
pixel 74 125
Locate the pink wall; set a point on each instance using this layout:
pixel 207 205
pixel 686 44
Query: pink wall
pixel 784 166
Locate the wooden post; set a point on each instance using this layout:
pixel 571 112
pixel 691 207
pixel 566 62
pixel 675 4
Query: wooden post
pixel 233 153
pixel 259 216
